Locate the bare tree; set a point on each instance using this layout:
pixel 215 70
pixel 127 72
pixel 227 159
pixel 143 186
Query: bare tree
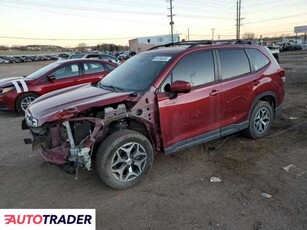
pixel 248 36
pixel 82 47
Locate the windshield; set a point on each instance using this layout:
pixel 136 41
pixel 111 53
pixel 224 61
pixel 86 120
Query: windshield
pixel 136 74
pixel 43 70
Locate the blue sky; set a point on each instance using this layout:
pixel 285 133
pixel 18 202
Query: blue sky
pixel 70 22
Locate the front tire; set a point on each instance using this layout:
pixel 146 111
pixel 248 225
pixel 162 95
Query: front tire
pixel 123 159
pixel 24 101
pixel 260 121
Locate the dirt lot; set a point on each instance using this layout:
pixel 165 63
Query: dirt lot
pixel 177 193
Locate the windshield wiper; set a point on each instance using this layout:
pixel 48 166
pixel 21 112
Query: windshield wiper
pixel 110 87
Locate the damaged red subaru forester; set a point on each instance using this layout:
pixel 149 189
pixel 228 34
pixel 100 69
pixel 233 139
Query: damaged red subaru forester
pixel 163 100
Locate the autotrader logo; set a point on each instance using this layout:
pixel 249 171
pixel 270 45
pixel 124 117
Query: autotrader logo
pixel 46 219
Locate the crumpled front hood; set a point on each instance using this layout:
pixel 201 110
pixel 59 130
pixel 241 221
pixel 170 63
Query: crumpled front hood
pixel 47 107
pixel 9 81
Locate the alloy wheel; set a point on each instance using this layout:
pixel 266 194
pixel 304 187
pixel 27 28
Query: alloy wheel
pixel 26 102
pixel 262 120
pixel 128 162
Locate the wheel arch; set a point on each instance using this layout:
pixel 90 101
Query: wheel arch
pixel 136 125
pixel 267 96
pixel 21 94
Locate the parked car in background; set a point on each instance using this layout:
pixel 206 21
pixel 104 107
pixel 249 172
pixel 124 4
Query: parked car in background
pixel 104 57
pixel 289 47
pixel 19 58
pixel 9 59
pixel 275 51
pixel 4 61
pixel 18 92
pixel 27 59
pixel 75 55
pixel 162 100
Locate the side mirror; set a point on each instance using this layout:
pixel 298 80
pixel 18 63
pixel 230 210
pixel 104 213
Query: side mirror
pixel 51 77
pixel 181 87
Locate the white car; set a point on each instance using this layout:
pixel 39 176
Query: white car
pixel 275 51
pixel 3 61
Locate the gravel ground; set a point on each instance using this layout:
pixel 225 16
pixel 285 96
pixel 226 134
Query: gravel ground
pixel 177 193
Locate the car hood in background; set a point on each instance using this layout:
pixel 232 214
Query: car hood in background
pixel 49 107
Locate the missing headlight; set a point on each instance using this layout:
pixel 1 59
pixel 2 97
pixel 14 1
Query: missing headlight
pixel 81 130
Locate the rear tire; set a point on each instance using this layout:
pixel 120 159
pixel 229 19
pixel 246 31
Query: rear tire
pixel 260 120
pixel 123 159
pixel 24 101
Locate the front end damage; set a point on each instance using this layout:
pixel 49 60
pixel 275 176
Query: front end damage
pixel 71 138
pixel 70 141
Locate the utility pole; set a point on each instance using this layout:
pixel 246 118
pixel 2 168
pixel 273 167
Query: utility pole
pixel 188 34
pixel 171 16
pixel 213 33
pixel 238 20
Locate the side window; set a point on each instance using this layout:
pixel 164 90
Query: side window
pixel 110 67
pixel 70 70
pixel 234 62
pixel 196 68
pixel 258 59
pixel 107 58
pixel 93 67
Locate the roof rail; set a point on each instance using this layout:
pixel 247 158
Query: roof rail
pixel 184 43
pixel 235 41
pixel 205 42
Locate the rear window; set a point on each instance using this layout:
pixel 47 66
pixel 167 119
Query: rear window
pixel 234 62
pixel 257 58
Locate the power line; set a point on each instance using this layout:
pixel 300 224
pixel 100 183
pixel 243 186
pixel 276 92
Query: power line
pixel 63 39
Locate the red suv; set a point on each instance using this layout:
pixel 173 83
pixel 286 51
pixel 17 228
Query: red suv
pixel 162 100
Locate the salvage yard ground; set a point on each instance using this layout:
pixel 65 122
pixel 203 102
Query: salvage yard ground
pixel 256 191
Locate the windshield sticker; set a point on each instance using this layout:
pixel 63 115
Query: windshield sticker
pixel 161 58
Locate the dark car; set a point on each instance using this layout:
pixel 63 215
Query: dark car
pixel 19 58
pixel 163 100
pixel 9 59
pixel 27 59
pixel 289 47
pixel 18 92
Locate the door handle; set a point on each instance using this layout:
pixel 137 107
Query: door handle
pixel 214 92
pixel 256 82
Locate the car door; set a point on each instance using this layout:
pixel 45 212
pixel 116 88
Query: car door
pixel 93 71
pixel 237 83
pixel 65 76
pixel 190 117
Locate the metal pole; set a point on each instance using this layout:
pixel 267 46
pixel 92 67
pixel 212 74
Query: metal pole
pixel 239 19
pixel 237 22
pixel 213 33
pixel 171 22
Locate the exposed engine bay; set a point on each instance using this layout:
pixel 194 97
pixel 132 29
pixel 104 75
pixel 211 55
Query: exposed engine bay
pixel 71 140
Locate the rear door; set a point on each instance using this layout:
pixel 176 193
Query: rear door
pixel 237 82
pixel 187 118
